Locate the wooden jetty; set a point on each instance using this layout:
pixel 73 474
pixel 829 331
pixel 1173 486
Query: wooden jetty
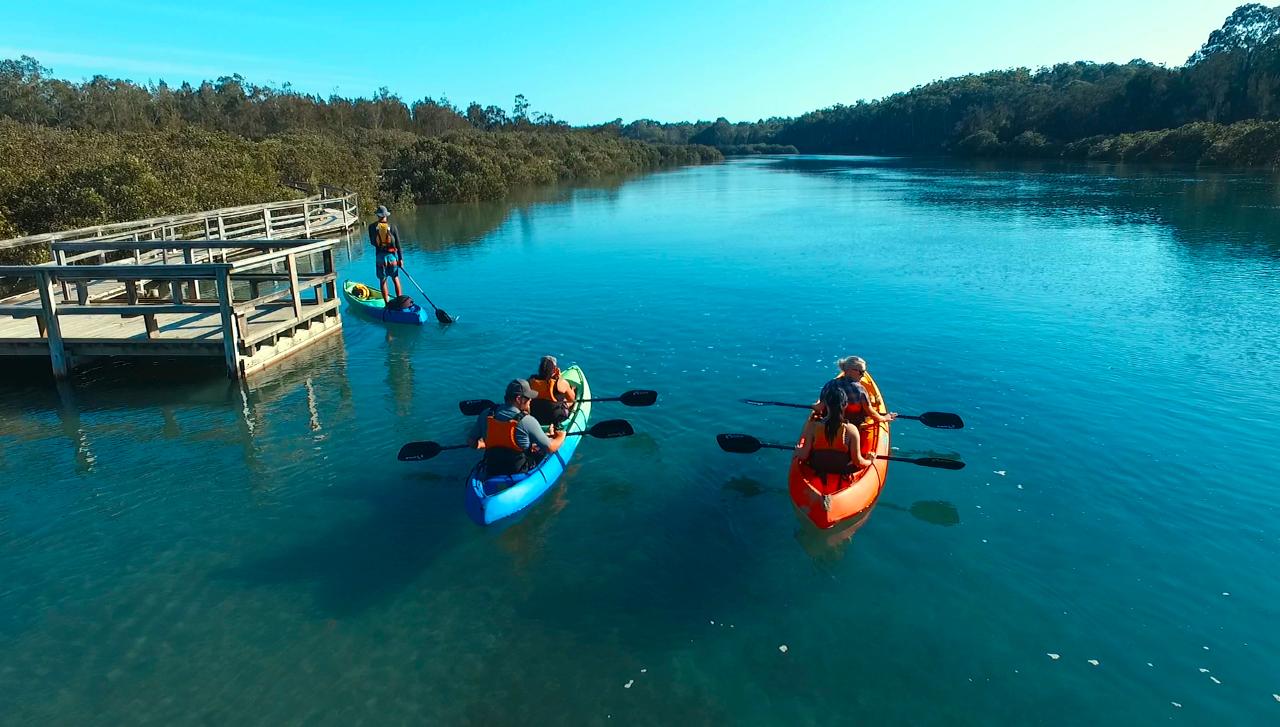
pixel 247 285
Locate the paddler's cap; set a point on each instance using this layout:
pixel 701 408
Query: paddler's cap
pixel 382 211
pixel 519 387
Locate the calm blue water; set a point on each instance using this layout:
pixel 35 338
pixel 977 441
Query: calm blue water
pixel 177 552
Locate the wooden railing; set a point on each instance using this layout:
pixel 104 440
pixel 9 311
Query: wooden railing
pixel 301 273
pixel 292 218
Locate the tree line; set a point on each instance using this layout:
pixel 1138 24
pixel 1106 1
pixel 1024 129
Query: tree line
pixel 107 150
pixel 1136 110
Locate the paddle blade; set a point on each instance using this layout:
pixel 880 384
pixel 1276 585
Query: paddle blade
pixel 939 463
pixel 941 420
pixel 443 317
pixel 639 397
pixel 475 407
pixel 611 429
pixel 738 443
pixel 416 451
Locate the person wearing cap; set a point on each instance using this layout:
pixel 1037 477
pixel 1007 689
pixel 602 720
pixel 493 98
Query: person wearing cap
pixel 554 402
pixel 859 408
pixel 385 239
pixel 512 440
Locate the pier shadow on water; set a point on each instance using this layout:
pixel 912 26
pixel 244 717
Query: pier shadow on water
pixel 368 560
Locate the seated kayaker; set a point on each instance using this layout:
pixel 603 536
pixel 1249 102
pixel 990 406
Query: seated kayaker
pixel 832 444
pixel 860 410
pixel 555 395
pixel 512 440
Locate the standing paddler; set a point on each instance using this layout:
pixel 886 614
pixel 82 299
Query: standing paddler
pixel 385 239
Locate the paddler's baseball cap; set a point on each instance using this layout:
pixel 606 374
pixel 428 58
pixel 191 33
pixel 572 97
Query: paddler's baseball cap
pixel 519 387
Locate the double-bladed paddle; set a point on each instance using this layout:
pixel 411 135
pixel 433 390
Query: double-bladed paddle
pixel 607 429
pixel 440 314
pixel 746 444
pixel 935 419
pixel 635 397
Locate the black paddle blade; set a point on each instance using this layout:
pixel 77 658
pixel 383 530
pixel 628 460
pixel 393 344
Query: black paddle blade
pixel 474 407
pixel 443 317
pixel 738 443
pixel 941 420
pixel 938 462
pixel 416 451
pixel 611 429
pixel 639 397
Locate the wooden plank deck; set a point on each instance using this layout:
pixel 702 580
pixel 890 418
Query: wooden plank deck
pixel 247 300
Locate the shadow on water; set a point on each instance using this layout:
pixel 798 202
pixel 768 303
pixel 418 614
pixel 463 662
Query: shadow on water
pixel 750 487
pixel 934 512
pixel 359 564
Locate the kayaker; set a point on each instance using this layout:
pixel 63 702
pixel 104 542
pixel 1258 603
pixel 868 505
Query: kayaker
pixel 555 395
pixel 512 440
pixel 833 444
pixel 385 239
pixel 859 408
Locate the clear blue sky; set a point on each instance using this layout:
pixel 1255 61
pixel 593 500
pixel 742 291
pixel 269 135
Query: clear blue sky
pixel 587 62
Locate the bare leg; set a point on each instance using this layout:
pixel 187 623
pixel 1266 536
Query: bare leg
pixel 399 292
pixel 386 298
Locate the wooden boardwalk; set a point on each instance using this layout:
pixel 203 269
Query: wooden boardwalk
pixel 160 288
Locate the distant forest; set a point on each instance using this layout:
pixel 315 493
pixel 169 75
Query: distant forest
pixel 1221 107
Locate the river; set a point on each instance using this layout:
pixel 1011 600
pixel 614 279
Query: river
pixel 177 549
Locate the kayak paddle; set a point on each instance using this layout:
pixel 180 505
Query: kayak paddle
pixel 746 444
pixel 935 419
pixel 607 429
pixel 440 315
pixel 635 397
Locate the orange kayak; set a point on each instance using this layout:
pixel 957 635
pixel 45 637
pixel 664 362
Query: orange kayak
pixel 831 499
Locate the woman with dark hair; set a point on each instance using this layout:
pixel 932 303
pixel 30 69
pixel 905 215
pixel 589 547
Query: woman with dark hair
pixel 831 444
pixel 555 398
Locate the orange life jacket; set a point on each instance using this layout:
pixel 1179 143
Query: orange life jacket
pixel 854 411
pixel 546 388
pixel 501 435
pixel 830 456
pixel 386 243
pixel 820 440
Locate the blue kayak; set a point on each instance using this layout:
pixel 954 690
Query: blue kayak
pixel 369 301
pixel 490 499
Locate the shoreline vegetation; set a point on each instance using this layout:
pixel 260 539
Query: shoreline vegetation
pixel 1221 108
pixel 80 154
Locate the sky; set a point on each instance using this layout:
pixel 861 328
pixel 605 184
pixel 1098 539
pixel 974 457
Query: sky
pixel 589 62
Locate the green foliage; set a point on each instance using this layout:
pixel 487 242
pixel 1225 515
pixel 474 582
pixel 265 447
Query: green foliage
pixel 108 150
pixel 473 166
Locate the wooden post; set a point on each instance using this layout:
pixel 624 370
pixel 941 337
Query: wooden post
pixel 332 285
pixel 193 291
pixel 60 258
pixel 266 221
pixel 306 218
pixel 291 264
pixel 222 230
pixel 53 328
pixel 230 333
pixel 82 292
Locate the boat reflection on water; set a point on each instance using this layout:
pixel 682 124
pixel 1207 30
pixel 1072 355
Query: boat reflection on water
pixel 828 545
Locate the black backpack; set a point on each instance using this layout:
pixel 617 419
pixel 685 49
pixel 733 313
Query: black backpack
pixel 400 302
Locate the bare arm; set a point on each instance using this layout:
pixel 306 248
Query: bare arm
pixel 855 447
pixel 806 441
pixel 570 395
